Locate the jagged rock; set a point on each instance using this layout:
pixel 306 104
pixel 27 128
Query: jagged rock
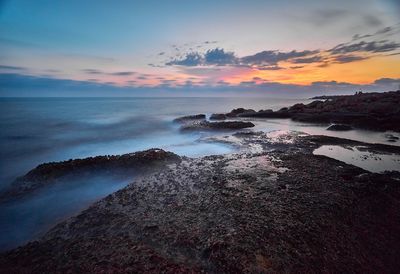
pixel 184 119
pixel 237 111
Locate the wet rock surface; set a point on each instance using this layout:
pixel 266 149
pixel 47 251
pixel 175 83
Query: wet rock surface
pixel 373 111
pixel 226 125
pixel 218 116
pixel 339 127
pixel 50 173
pixel 189 118
pixel 274 207
pixel 391 138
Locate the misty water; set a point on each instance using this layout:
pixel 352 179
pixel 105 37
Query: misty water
pixel 38 130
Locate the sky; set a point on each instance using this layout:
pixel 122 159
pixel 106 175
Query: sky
pixel 198 48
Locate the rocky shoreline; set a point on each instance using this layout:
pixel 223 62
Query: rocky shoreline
pixel 273 207
pixel 372 111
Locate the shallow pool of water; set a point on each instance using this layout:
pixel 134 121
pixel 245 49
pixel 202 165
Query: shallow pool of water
pixel 364 159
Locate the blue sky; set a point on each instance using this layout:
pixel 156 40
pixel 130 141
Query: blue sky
pixel 148 44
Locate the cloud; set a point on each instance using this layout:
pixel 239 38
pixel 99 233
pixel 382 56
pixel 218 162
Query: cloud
pixel 24 85
pixel 272 57
pixel 92 71
pixel 384 30
pixel 270 67
pixel 11 67
pixel 360 47
pixel 248 83
pixel 358 36
pixel 308 60
pixel 191 59
pixel 264 60
pixel 219 57
pixel 121 73
pixel 373 46
pixel 348 58
pixel 155 66
pixel 387 81
pixel 99 72
pixel 330 83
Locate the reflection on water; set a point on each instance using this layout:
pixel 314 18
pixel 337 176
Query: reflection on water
pixel 366 160
pixel 314 129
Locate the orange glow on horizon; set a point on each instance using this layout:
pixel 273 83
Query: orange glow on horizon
pixel 360 72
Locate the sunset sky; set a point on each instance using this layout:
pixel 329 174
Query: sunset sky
pixel 55 48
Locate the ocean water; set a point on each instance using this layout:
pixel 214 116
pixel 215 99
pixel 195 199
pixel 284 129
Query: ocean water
pixel 38 130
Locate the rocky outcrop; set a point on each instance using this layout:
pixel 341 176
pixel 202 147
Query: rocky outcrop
pixel 50 173
pixel 218 116
pixel 281 210
pixel 373 111
pixel 239 111
pixel 189 118
pixel 226 125
pixel 266 114
pixel 339 127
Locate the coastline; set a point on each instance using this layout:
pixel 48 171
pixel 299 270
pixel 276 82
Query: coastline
pixel 280 209
pixel 272 206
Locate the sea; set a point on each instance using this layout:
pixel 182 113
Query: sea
pixel 40 130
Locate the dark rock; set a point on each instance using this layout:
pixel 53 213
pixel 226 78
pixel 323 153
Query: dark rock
pixel 237 111
pixel 184 119
pixel 50 173
pixel 339 127
pixel 297 107
pixel 267 114
pixel 284 109
pixel 312 118
pixel 373 111
pixel 255 114
pixel 217 125
pixel 266 111
pixel 218 116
